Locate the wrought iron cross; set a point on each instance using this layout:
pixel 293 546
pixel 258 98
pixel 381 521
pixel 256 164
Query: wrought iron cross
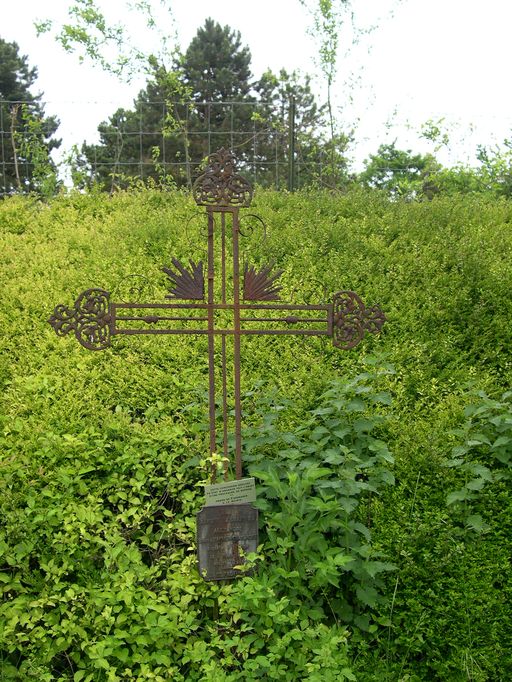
pixel 94 318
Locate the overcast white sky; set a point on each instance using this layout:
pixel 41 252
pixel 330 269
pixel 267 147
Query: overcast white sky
pixel 441 58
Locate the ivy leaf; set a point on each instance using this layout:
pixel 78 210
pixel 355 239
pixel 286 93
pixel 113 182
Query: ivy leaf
pixel 502 440
pixel 476 523
pixel 478 439
pixel 356 405
pixel 458 496
pixel 375 567
pixel 363 425
pixel 367 594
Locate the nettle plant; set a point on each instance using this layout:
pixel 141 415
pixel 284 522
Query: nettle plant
pixel 315 490
pixel 485 455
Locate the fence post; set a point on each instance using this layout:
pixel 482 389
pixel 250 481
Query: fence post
pixel 291 144
pixel 3 186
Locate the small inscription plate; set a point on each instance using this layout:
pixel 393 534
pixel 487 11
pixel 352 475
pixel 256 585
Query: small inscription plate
pixel 233 492
pixel 224 534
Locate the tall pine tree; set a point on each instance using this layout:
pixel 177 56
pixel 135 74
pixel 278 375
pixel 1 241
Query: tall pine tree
pixel 26 133
pixel 171 128
pixel 216 69
pixel 209 100
pixel 215 66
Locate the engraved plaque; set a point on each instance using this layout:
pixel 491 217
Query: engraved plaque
pixel 224 534
pixel 233 492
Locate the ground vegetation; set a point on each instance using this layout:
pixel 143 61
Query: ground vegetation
pixel 383 474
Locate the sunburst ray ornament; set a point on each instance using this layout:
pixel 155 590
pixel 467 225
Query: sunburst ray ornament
pixel 259 284
pixel 187 284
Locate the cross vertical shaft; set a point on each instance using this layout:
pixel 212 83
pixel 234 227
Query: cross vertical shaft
pixel 236 351
pixel 211 337
pixel 221 212
pixel 225 414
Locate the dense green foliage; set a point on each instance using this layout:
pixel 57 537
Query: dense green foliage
pixel 383 473
pixel 401 173
pixel 397 171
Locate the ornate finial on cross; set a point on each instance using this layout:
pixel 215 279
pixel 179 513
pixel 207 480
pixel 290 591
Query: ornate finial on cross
pixel 220 184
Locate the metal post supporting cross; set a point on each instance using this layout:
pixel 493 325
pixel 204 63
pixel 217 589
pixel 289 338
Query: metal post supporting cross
pixel 250 298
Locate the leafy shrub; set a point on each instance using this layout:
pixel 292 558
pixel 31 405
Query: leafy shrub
pixel 485 456
pixel 315 490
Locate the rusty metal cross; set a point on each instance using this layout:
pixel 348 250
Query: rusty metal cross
pixel 253 295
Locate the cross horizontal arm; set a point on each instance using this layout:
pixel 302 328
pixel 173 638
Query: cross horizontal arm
pixel 289 322
pixel 94 319
pixel 225 332
pixel 157 318
pixel 219 306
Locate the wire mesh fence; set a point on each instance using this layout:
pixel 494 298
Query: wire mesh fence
pixel 169 142
pixel 278 145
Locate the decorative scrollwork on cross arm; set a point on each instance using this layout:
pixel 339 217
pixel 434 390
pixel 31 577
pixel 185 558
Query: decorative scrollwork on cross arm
pixel 89 319
pixel 220 184
pixel 351 319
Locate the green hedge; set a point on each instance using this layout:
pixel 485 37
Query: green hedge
pixel 103 454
